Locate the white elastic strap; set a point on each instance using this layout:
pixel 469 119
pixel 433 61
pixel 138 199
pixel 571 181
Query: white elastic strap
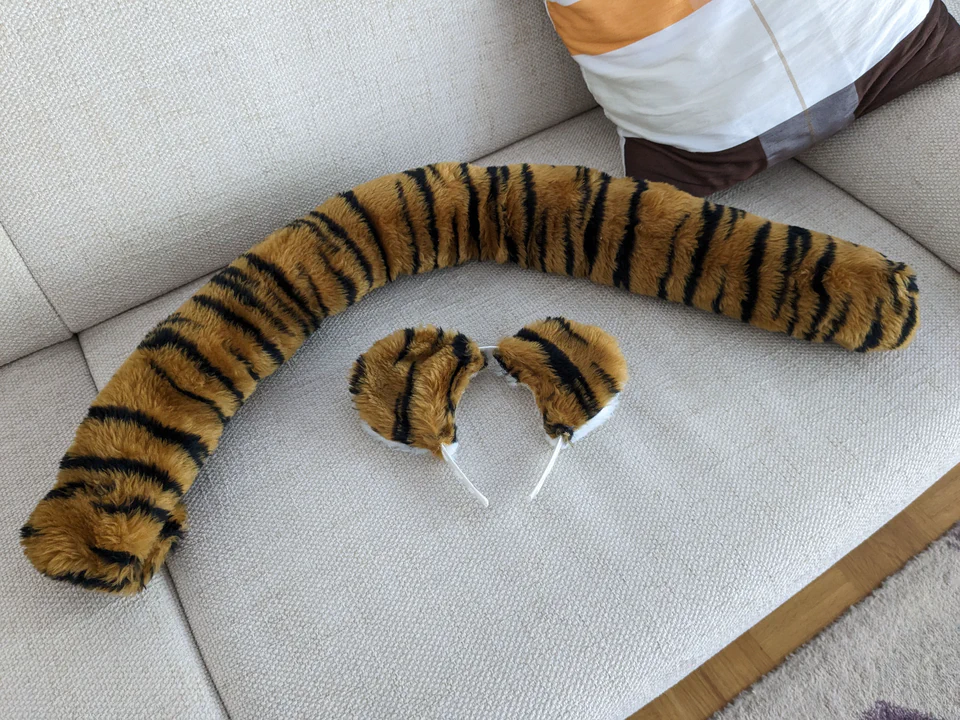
pixel 558 446
pixel 461 476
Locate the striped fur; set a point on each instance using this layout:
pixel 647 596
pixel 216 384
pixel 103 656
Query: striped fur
pixel 116 508
pixel 574 370
pixel 407 386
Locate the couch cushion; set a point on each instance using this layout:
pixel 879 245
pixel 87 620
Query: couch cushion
pixel 904 162
pixel 327 575
pixel 27 321
pixel 67 652
pixel 143 146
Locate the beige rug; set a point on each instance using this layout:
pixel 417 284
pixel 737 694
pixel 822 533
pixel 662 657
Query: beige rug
pixel 894 656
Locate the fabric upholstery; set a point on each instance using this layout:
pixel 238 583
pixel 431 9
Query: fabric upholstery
pixel 327 575
pixel 27 322
pixel 903 160
pixel 66 652
pixel 146 145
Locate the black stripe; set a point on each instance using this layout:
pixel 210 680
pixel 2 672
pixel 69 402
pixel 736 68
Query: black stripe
pixel 717 304
pixel 245 362
pixel 794 309
pixel 529 208
pixel 502 232
pixel 736 215
pixel 754 263
pixel 318 298
pixel 171 529
pixel 711 215
pixel 473 208
pixel 67 490
pixel 433 171
pixel 419 176
pixel 542 240
pixel 127 466
pixel 806 242
pixel 568 329
pixel 671 256
pixel 586 192
pixel 591 235
pixel 356 377
pixel 232 279
pixel 566 371
pixel 895 292
pixel 839 321
pixel 190 443
pixel 786 266
pixel 177 319
pixel 347 286
pixel 605 378
pixel 81 579
pixel 513 250
pixel 186 393
pixel 438 340
pixel 117 557
pixel 461 351
pixel 401 410
pixel 908 324
pixel 134 506
pixel 567 245
pixel 816 282
pixel 405 214
pixel 231 318
pixel 344 237
pixel 875 335
pixel 169 338
pixel 408 334
pixel 283 282
pixel 351 199
pixel 621 272
pixel 28 531
pixel 455 233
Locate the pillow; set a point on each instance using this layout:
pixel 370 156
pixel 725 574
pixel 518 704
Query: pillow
pixel 706 93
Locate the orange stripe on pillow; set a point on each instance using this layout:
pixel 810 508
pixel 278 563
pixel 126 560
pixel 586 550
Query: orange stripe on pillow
pixel 594 27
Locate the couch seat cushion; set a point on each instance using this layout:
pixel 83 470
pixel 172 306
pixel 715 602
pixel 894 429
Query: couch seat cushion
pixel 327 575
pixel 67 652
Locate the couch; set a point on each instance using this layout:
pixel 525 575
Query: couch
pixel 146 145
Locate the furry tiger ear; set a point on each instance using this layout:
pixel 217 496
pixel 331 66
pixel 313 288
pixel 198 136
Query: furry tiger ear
pixel 407 386
pixel 575 371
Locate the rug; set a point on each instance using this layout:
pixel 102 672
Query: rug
pixel 893 656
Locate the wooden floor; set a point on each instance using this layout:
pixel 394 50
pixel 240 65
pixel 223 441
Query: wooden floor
pixel 856 575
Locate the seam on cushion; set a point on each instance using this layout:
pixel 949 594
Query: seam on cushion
pixel 880 214
pixel 5 234
pixel 533 134
pixel 169 575
pixel 193 638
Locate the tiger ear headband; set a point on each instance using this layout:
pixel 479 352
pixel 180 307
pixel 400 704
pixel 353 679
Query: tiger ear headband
pixel 407 386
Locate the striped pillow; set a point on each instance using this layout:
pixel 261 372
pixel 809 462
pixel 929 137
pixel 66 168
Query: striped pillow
pixel 706 93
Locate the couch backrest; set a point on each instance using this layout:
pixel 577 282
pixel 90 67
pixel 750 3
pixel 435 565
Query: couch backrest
pixel 146 144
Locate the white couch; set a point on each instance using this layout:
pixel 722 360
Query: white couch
pixel 144 146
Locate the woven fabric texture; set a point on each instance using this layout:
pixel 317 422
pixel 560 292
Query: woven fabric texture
pixel 326 575
pixel 67 652
pixel 146 144
pixel 27 322
pixel 902 160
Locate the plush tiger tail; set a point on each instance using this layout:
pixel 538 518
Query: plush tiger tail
pixel 116 508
